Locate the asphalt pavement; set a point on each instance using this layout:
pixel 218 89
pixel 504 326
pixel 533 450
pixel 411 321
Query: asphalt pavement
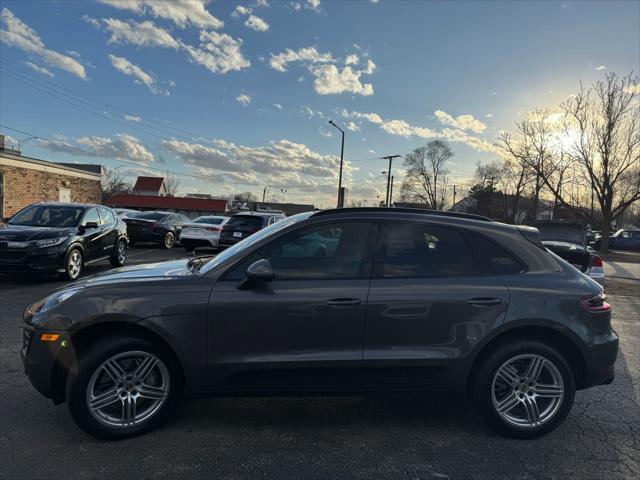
pixel 423 437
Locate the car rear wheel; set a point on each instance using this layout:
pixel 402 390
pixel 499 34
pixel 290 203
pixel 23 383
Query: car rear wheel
pixel 73 264
pixel 123 387
pixel 120 255
pixel 169 240
pixel 523 389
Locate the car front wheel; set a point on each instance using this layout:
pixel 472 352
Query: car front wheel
pixel 123 387
pixel 73 263
pixel 523 389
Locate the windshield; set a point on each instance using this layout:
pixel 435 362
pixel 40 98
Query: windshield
pixel 48 216
pixel 209 220
pixel 151 216
pixel 253 239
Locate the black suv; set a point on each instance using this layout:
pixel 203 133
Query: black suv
pixel 339 301
pixel 61 237
pixel 241 225
pixel 162 228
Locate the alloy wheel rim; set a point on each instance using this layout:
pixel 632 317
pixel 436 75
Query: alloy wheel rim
pixel 527 391
pixel 128 389
pixel 75 264
pixel 122 252
pixel 169 240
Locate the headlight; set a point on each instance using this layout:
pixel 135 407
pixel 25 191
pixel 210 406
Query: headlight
pixel 50 242
pixel 51 301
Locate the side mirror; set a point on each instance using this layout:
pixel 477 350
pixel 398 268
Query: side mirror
pixel 258 272
pixel 90 225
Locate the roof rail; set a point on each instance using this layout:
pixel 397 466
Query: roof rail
pixel 423 211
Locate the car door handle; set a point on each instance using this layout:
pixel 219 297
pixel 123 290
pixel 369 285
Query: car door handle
pixel 343 302
pixel 484 301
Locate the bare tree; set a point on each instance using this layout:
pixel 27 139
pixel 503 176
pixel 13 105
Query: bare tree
pixel 115 184
pixel 427 176
pixel 172 184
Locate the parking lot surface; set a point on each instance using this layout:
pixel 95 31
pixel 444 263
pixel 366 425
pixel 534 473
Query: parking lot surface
pixel 435 436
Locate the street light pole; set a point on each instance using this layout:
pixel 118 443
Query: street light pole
pixel 283 192
pixel 390 158
pixel 340 196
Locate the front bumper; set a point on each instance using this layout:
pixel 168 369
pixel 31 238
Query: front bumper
pixel 33 259
pixel 46 361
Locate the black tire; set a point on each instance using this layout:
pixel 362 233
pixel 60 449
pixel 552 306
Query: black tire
pixel 72 273
pixel 119 258
pixel 78 383
pixel 188 247
pixel 169 240
pixel 482 382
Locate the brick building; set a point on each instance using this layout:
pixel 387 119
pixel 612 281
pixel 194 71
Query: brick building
pixel 25 180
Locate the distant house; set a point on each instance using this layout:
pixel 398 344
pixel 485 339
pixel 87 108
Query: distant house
pixel 150 186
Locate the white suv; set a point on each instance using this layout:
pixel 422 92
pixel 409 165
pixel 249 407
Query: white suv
pixel 203 232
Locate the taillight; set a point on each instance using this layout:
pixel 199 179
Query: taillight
pixel 597 262
pixel 213 229
pixel 595 303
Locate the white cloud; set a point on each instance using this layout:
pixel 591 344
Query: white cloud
pixel 125 66
pixel 352 59
pixel 403 128
pixel 489 115
pixel 330 80
pixel 313 5
pixel 91 21
pixel 20 35
pixel 243 99
pixel 120 147
pixel 309 55
pixel 218 52
pixel 241 10
pixel 256 23
pixel 278 106
pixel 39 69
pixel 354 127
pixel 132 118
pixel 142 34
pixel 262 3
pixel 601 67
pixel 462 122
pixel 180 12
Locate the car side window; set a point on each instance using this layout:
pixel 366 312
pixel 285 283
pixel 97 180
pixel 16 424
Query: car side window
pixel 491 257
pixel 420 251
pixel 91 216
pixel 107 216
pixel 328 251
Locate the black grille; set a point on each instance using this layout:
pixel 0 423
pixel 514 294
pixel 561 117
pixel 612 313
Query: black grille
pixel 11 255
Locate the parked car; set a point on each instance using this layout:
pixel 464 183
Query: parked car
pixel 203 232
pixel 62 238
pixel 568 240
pixel 623 239
pixel 395 301
pixel 158 227
pixel 241 225
pixel 126 212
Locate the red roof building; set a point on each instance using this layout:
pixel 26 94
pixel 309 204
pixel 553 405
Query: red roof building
pixel 192 207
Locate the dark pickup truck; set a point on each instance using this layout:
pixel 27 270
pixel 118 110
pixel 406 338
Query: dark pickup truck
pixel 568 240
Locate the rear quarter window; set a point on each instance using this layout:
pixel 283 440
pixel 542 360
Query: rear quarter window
pixel 492 258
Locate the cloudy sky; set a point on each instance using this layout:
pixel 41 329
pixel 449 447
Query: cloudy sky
pixel 236 96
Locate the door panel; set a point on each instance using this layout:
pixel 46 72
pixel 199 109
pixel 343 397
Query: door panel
pixel 304 329
pixel 92 236
pixel 428 305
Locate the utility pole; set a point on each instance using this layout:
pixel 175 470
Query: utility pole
pixel 264 193
pixel 454 195
pixel 340 197
pixel 390 158
pixel 391 193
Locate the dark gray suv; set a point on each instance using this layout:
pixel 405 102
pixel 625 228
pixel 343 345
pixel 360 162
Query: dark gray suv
pixel 338 301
